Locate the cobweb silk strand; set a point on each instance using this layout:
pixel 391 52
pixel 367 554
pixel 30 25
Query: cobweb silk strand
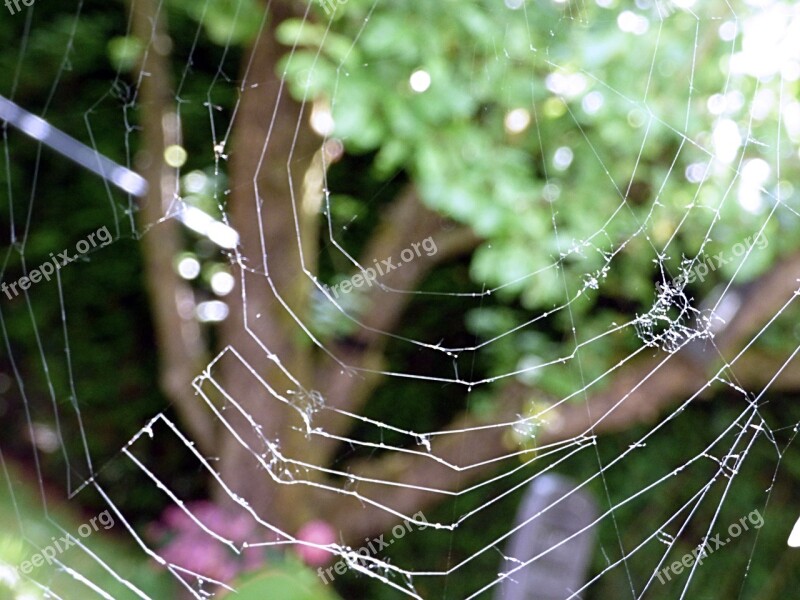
pixel 715 145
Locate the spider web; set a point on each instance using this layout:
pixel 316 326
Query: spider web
pixel 710 153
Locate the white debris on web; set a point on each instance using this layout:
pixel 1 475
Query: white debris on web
pixel 714 140
pixel 672 322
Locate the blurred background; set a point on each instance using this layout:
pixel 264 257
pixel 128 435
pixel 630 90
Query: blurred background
pixel 611 192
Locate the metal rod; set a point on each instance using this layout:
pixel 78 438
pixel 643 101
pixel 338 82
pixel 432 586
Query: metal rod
pixel 68 146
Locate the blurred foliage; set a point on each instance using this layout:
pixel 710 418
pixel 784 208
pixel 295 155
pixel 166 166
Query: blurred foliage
pixel 24 533
pixel 291 580
pixel 596 182
pixel 484 61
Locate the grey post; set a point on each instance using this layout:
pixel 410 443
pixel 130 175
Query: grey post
pixel 554 568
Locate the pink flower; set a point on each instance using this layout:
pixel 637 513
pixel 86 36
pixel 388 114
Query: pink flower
pixel 315 532
pixel 197 554
pixel 186 544
pixel 239 527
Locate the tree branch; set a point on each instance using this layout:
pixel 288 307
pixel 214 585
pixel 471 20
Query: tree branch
pixel 406 222
pixel 273 149
pixel 639 393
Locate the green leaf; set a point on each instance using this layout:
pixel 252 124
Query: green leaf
pixel 124 52
pixel 309 75
pixel 287 582
pixel 226 21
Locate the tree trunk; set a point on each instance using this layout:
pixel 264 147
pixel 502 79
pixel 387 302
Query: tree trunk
pixel 181 349
pixel 271 152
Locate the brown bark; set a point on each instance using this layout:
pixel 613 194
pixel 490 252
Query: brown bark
pixel 181 349
pixel 271 157
pixel 271 152
pixel 406 221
